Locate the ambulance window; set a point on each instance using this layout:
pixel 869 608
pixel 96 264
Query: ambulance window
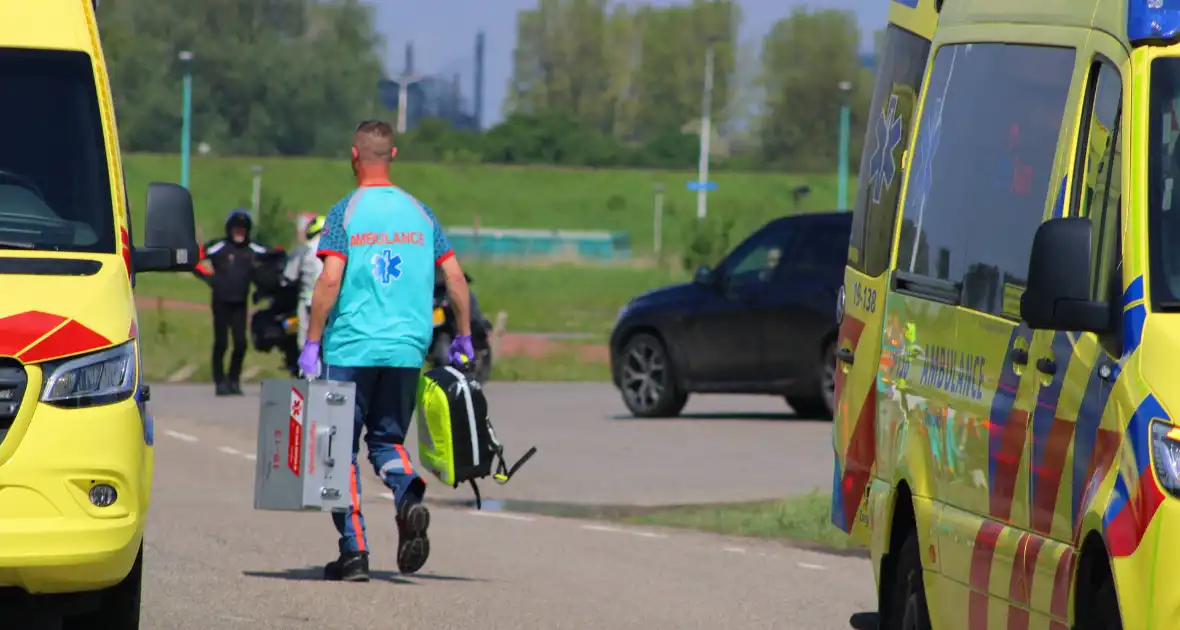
pixel 1098 171
pixel 55 188
pixel 1163 168
pixel 980 176
pixel 899 79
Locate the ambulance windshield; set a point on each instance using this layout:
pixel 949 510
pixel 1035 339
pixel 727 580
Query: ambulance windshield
pixel 55 188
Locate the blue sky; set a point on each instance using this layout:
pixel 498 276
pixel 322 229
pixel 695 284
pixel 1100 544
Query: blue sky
pixel 443 33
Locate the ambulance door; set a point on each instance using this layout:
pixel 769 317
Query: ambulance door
pixel 861 303
pixel 978 188
pixel 1073 372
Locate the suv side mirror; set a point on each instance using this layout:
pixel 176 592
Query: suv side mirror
pixel 1058 292
pixel 703 275
pixel 170 235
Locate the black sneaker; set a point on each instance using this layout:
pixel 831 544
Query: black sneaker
pixel 413 547
pixel 349 567
pixel 235 388
pixel 224 390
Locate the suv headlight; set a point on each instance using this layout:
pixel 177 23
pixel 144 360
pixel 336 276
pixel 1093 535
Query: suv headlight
pixel 100 378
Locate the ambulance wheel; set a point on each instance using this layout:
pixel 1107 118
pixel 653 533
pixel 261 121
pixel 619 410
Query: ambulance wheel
pixel 648 384
pixel 823 405
pixel 907 605
pixel 1104 610
pixel 118 606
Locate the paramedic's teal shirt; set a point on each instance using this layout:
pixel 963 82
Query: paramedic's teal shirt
pixel 390 243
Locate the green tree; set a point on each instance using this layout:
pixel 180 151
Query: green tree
pixel 804 58
pixel 287 77
pixel 670 75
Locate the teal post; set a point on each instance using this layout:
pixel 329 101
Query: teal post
pixel 842 184
pixel 186 132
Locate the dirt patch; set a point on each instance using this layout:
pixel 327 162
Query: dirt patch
pixel 537 347
pixel 171 305
pixel 511 344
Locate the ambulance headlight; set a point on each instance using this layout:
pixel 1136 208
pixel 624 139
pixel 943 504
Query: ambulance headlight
pixel 1165 446
pixel 99 378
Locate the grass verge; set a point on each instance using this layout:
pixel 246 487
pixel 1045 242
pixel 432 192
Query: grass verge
pixel 557 298
pixel 503 197
pixel 803 519
pixel 171 339
pixel 567 364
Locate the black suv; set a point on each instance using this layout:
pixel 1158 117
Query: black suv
pixel 763 322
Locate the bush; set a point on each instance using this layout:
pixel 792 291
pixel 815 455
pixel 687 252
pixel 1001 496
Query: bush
pixel 273 227
pixel 706 241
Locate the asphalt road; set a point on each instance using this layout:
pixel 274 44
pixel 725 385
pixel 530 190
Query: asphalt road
pixel 213 562
pixel 591 451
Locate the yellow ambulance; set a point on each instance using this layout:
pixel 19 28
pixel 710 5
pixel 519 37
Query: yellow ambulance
pixel 1010 320
pixel 75 436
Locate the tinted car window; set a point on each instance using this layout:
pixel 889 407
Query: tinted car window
pixel 899 80
pixel 980 176
pixel 55 190
pixel 754 261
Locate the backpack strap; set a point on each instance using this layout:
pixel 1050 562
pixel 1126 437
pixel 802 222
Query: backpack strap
pixel 478 499
pixel 503 472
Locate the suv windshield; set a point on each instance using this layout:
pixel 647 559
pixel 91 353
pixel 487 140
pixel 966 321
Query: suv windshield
pixel 55 191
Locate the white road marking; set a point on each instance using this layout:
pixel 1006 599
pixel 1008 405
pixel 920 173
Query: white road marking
pixel 181 436
pixel 808 565
pixel 733 549
pixel 603 528
pixel 386 495
pixel 619 530
pixel 250 456
pixel 504 515
pixel 228 450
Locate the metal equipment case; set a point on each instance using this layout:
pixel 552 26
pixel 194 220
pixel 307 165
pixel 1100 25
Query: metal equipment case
pixel 304 445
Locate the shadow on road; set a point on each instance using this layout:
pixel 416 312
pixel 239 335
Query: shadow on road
pixel 316 574
pixel 865 621
pixel 740 416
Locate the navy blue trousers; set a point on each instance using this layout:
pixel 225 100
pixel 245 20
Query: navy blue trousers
pixel 385 401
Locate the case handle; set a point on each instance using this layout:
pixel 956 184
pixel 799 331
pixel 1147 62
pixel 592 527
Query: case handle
pixel 324 441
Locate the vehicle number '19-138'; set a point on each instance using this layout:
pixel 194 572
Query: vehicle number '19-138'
pixel 864 298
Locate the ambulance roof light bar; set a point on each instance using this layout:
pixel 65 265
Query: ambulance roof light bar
pixel 1152 21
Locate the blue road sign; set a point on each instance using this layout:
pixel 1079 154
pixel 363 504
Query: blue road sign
pixel 695 185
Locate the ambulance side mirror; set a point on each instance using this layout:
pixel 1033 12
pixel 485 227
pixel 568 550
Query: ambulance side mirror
pixel 170 241
pixel 1058 293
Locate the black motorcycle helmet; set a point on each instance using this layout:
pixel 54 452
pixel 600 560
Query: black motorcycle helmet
pixel 238 217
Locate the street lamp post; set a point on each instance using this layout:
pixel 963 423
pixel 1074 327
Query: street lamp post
pixel 706 132
pixel 256 192
pixel 658 219
pixel 186 132
pixel 845 115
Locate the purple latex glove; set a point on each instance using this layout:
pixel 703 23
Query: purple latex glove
pixel 461 350
pixel 309 359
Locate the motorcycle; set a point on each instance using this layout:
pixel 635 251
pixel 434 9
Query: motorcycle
pixel 444 333
pixel 276 325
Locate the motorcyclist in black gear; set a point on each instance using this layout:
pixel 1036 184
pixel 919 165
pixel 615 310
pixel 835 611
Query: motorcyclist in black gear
pixel 230 272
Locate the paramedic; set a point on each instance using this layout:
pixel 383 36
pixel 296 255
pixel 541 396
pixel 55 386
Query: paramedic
pixel 230 272
pixel 304 268
pixel 371 309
